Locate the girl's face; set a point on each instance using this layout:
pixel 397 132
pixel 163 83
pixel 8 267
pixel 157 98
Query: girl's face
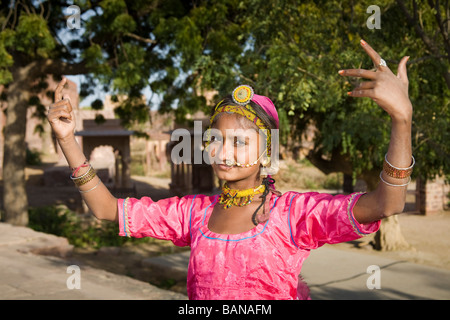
pixel 235 139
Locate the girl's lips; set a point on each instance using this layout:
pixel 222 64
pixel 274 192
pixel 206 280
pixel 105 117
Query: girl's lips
pixel 224 167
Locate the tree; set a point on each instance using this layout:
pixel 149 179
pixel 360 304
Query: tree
pixel 292 51
pixel 121 45
pixel 286 49
pixel 29 51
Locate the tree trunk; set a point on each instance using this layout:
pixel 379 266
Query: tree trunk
pixel 347 185
pixel 15 198
pixel 390 237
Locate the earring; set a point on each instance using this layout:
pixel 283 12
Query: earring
pixel 265 162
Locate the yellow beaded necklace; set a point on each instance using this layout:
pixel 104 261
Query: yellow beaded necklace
pixel 240 198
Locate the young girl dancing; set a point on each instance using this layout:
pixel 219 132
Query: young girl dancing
pixel 250 241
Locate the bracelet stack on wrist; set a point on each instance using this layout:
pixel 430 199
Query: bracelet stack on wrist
pixel 85 178
pixel 397 173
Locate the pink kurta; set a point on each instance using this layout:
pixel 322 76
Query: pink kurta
pixel 263 263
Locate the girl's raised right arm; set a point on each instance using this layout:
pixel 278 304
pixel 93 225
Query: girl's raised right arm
pixel 96 195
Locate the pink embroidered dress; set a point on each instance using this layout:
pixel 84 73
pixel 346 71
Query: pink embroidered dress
pixel 263 263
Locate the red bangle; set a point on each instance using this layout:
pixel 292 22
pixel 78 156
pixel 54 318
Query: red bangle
pixel 75 170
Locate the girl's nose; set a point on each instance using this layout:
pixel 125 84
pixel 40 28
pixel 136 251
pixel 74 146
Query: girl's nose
pixel 224 151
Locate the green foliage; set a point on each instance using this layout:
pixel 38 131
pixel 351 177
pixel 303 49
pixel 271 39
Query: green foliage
pixel 6 59
pixel 33 37
pixel 33 157
pixel 288 50
pixel 80 230
pixel 48 219
pixel 292 51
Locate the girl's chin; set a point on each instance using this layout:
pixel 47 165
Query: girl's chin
pixel 222 171
pixel 231 173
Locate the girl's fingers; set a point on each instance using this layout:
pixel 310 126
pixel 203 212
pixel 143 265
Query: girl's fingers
pixel 58 115
pixel 67 98
pixel 359 73
pixel 58 107
pixel 65 103
pixel 402 73
pixel 369 93
pixel 366 85
pixel 59 88
pixel 376 58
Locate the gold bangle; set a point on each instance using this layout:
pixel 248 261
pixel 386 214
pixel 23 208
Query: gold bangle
pixel 85 178
pixel 398 173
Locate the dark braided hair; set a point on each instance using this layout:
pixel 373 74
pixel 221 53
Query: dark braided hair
pixel 267 181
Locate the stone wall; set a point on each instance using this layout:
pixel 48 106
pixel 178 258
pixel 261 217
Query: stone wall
pixel 432 196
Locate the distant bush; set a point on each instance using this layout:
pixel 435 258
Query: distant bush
pixel 80 231
pixel 33 158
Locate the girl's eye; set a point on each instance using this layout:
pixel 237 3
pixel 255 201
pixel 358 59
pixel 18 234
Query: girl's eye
pixel 239 142
pixel 215 139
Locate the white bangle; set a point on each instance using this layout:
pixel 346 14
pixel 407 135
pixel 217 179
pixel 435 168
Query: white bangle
pixel 394 185
pixel 409 168
pixel 86 191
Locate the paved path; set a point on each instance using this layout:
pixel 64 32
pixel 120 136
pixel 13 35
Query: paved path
pixel 26 273
pixel 340 274
pixel 335 274
pixel 29 272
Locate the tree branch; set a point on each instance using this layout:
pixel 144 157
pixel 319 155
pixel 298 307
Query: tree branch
pixel 310 74
pixel 441 24
pixel 11 9
pixel 139 38
pixel 412 21
pixel 50 66
pixel 337 162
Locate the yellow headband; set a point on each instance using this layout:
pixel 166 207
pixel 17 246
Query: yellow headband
pixel 245 111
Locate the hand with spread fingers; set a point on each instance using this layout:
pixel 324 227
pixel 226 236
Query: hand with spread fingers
pixel 388 90
pixel 60 114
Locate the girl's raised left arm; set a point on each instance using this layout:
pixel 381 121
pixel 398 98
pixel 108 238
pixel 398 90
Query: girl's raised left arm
pixel 390 92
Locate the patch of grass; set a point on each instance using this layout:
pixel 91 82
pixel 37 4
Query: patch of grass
pixel 137 167
pixel 83 231
pixel 333 181
pixel 33 158
pixel 303 175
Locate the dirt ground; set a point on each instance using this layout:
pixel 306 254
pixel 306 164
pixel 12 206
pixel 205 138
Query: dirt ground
pixel 428 235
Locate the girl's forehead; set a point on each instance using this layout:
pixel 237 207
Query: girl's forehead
pixel 225 120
